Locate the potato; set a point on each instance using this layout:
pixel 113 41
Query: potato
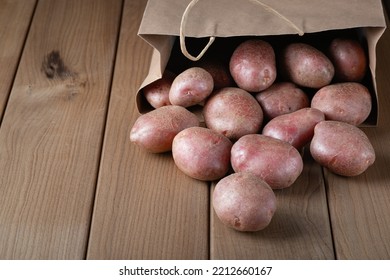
pixel 233 112
pixel 349 60
pixel 202 153
pixel 244 202
pixel 282 98
pixel 306 66
pixel 296 128
pixel 348 102
pixel 157 93
pixel 191 87
pixel 219 71
pixel 275 161
pixel 253 66
pixel 342 148
pixel 155 130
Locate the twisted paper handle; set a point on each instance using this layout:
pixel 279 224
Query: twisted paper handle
pixel 212 38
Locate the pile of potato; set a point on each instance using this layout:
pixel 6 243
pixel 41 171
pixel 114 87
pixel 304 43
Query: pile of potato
pixel 257 125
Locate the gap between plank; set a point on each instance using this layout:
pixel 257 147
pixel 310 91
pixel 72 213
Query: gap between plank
pixel 120 21
pixel 326 184
pixel 18 63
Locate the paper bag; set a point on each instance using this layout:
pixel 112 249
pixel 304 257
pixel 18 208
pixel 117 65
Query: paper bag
pixel 162 26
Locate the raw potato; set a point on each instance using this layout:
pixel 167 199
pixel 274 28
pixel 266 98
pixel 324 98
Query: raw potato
pixel 253 65
pixel 155 130
pixel 349 59
pixel 244 202
pixel 233 112
pixel 157 93
pixel 346 102
pixel 306 66
pixel 342 148
pixel 191 87
pixel 275 161
pixel 296 128
pixel 219 71
pixel 282 98
pixel 202 153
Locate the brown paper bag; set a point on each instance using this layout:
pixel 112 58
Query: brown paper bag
pixel 166 21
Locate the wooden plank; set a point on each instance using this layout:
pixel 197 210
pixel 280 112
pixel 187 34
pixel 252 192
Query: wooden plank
pixel 15 17
pixel 51 135
pixel 360 206
pixel 300 228
pixel 145 208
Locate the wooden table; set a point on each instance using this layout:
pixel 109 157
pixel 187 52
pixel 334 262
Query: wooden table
pixel 72 186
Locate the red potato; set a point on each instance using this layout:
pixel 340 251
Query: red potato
pixel 296 128
pixel 253 66
pixel 157 93
pixel 244 202
pixel 349 59
pixel 155 130
pixel 282 98
pixel 191 87
pixel 306 66
pixel 275 161
pixel 346 102
pixel 342 148
pixel 233 112
pixel 202 153
pixel 219 72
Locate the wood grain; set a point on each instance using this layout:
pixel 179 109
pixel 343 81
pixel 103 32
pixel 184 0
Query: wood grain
pixel 360 206
pixel 145 208
pixel 51 134
pixel 300 228
pixel 15 18
pixel 72 186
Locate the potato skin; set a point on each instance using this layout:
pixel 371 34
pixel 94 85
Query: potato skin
pixel 219 71
pixel 347 102
pixel 191 87
pixel 233 112
pixel 244 202
pixel 306 66
pixel 253 66
pixel 342 148
pixel 202 153
pixel 282 98
pixel 349 60
pixel 275 161
pixel 155 130
pixel 296 128
pixel 157 93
